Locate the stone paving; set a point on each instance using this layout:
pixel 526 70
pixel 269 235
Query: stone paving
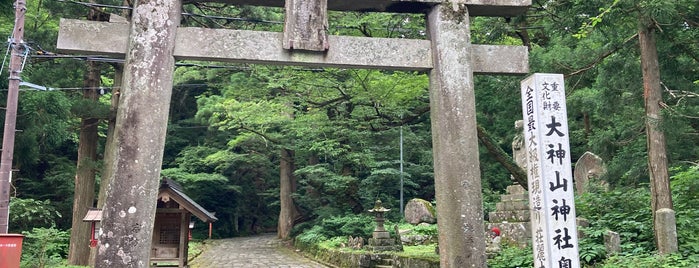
pixel 247 252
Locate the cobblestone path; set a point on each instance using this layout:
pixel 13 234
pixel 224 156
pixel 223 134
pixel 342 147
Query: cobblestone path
pixel 255 251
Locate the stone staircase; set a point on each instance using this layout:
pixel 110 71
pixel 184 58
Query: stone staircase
pixel 512 216
pixel 384 263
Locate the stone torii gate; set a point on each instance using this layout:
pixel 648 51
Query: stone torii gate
pixel 153 41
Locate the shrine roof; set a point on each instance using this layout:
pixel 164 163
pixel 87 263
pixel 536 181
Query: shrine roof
pixel 173 190
pixel 176 190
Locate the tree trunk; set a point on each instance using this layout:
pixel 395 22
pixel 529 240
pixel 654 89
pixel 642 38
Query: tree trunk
pixel 141 127
pixel 109 146
pixel 518 174
pixel 661 196
pixel 84 194
pixel 287 186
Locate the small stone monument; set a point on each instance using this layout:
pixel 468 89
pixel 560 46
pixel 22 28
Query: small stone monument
pixel 666 231
pixel 612 242
pixel 588 167
pixel 381 240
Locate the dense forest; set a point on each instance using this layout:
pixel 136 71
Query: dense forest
pixel 236 130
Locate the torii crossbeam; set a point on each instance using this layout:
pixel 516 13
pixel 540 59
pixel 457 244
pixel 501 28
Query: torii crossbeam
pixel 451 59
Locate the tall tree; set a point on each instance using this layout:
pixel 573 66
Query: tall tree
pixel 84 194
pixel 288 213
pixel 661 195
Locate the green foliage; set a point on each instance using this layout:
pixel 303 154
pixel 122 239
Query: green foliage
pixel 592 21
pixel 55 187
pixel 28 213
pixel 85 108
pixel 335 242
pixel 44 247
pixel 512 257
pixel 425 252
pixel 430 230
pixel 335 229
pixel 685 187
pixel 591 250
pixel 627 212
pixel 622 210
pixel 312 236
pixel 650 260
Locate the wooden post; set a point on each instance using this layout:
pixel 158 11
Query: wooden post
pixel 455 140
pixel 306 25
pixel 141 125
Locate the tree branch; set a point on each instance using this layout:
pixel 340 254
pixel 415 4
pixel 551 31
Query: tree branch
pixel 518 174
pixel 602 57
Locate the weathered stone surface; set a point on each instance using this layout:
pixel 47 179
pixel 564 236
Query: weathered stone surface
pixel 666 231
pixel 589 166
pixel 512 197
pixel 141 123
pixel 306 25
pixel 582 222
pixel 612 242
pixel 516 189
pixel 512 216
pixel 418 211
pixel 251 251
pixel 505 8
pixel 512 205
pixel 227 45
pixel 519 152
pixel 516 233
pixel 509 216
pixel 454 140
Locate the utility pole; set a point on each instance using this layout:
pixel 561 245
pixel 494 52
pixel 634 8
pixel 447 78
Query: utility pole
pixel 8 138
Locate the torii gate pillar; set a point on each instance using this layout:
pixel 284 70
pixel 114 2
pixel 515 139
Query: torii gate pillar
pixel 455 140
pixel 141 127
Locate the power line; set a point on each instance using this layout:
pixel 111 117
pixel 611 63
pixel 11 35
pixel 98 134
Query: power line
pixel 239 19
pixel 109 88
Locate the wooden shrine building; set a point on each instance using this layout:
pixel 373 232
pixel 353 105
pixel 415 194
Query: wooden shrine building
pixel 173 220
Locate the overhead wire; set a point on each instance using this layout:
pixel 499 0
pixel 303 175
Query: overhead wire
pixel 183 13
pixel 109 88
pixel 240 19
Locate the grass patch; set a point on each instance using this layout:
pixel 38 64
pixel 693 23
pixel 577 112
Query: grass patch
pixel 196 247
pixel 422 252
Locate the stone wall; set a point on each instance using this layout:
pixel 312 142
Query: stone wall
pixel 362 259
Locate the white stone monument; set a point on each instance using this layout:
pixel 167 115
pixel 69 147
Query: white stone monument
pixel 550 178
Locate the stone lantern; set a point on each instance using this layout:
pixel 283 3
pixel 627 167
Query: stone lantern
pixel 379 210
pixel 381 239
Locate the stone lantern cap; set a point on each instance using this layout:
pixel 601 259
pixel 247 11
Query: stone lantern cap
pixel 378 207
